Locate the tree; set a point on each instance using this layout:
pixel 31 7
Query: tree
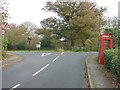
pixel 114 30
pixel 43 32
pixel 77 20
pixel 114 33
pixel 4 10
pixel 18 37
pixel 15 35
pixel 46 43
pixel 112 22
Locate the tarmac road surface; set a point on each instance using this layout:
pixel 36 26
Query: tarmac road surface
pixel 47 70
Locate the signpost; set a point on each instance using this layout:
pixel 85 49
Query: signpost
pixel 38 45
pixel 29 39
pixel 3 32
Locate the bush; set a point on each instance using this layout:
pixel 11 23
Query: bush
pixel 4 54
pixel 46 43
pixel 112 61
pixel 60 50
pixel 114 32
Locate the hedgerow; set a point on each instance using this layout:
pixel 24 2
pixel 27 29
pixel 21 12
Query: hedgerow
pixel 112 61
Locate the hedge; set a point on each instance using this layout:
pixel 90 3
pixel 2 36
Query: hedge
pixel 112 61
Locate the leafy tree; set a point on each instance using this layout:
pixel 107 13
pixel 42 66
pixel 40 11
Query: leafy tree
pixel 18 37
pixel 30 27
pixel 114 33
pixel 43 32
pixel 4 10
pixel 114 30
pixel 15 36
pixel 112 22
pixel 77 20
pixel 46 43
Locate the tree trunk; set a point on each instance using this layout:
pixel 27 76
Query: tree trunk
pixel 72 44
pixel 83 43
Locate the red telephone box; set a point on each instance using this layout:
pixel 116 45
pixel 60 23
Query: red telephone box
pixel 105 43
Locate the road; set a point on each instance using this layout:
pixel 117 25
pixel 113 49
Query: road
pixel 46 70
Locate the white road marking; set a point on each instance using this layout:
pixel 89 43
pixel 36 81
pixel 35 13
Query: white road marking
pixel 56 58
pixel 15 86
pixel 42 54
pixel 40 70
pixel 45 54
pixel 62 53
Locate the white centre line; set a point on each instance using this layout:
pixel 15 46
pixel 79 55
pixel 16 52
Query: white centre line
pixel 15 86
pixel 56 58
pixel 40 70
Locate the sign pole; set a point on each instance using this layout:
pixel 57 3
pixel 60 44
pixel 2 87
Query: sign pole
pixel 2 39
pixel 3 32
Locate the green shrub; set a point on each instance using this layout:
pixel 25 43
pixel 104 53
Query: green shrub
pixel 60 50
pixel 112 61
pixel 4 54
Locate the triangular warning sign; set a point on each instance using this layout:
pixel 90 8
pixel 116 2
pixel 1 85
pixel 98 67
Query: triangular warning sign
pixel 4 26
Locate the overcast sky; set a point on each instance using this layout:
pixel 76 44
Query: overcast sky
pixel 30 10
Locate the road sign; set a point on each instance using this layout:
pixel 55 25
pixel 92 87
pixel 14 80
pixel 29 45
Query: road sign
pixel 38 45
pixel 3 31
pixel 4 26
